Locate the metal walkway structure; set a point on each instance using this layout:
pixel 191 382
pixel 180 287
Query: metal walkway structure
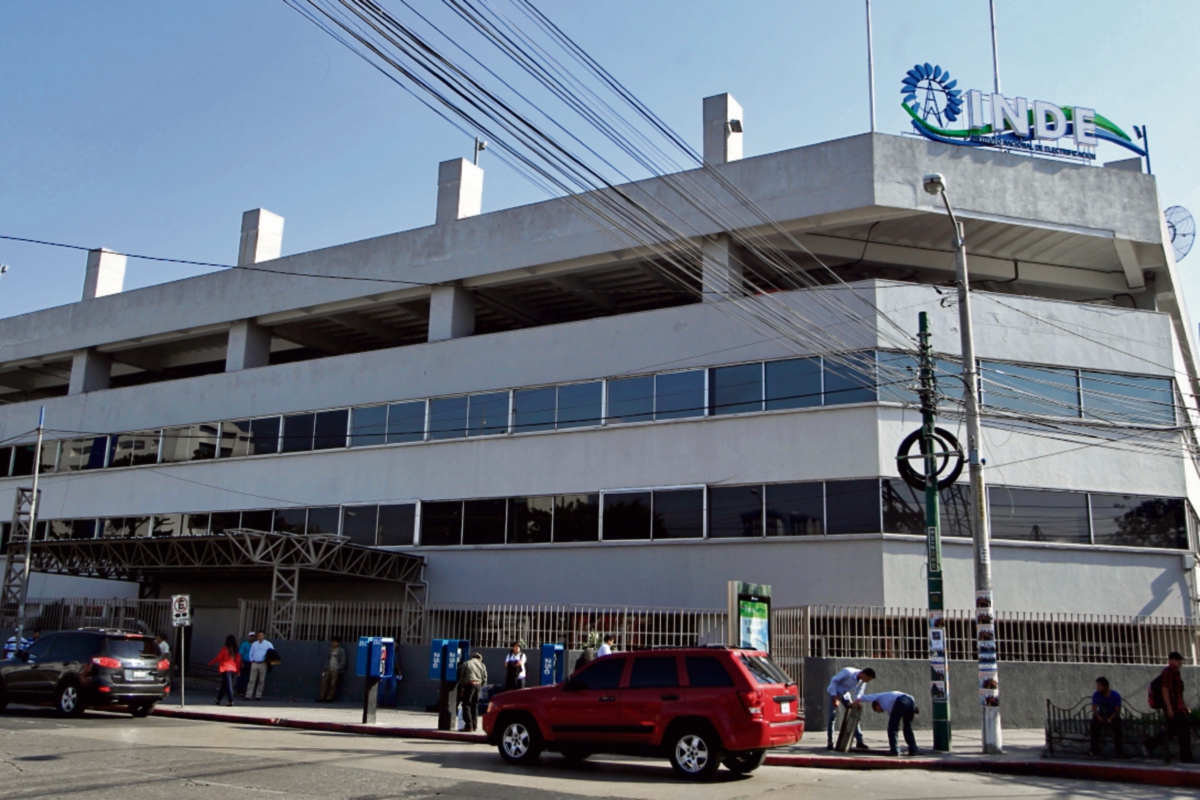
pixel 237 552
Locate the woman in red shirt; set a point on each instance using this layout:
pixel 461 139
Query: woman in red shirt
pixel 229 662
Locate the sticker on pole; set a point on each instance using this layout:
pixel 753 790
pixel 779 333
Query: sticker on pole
pixel 181 610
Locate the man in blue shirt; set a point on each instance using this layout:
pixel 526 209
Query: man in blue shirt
pixel 1106 713
pixel 845 689
pixel 244 652
pixel 900 708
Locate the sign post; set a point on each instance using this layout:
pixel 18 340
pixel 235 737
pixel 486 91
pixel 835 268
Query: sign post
pixel 750 615
pixel 181 617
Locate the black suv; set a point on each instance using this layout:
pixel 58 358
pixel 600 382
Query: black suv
pixel 87 668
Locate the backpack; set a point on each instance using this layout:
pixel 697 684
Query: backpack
pixel 1154 697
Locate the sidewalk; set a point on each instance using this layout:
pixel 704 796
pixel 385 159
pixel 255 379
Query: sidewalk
pixel 1022 747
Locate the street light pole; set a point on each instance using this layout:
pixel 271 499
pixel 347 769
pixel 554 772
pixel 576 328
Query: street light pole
pixel 989 697
pixel 33 512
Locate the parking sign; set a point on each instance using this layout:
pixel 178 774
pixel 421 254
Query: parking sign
pixel 181 610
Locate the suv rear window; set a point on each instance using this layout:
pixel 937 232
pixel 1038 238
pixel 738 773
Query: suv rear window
pixel 139 647
pixel 604 674
pixel 764 669
pixel 654 672
pixel 707 672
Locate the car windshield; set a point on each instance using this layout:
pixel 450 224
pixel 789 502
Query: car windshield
pixel 765 670
pixel 132 647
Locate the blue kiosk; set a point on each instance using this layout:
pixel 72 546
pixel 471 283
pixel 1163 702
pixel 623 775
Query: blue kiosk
pixel 376 659
pixel 444 657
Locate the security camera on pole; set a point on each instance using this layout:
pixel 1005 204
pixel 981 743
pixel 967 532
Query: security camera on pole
pixel 989 690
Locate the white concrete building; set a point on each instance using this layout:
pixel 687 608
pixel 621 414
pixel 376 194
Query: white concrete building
pixel 545 419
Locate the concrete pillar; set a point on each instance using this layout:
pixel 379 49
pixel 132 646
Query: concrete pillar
pixel 249 346
pixel 721 268
pixel 460 190
pixel 262 237
pixel 451 313
pixel 105 274
pixel 90 371
pixel 722 129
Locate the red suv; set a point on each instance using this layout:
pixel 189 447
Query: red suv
pixel 700 707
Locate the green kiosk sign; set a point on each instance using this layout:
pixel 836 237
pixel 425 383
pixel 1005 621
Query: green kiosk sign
pixel 750 615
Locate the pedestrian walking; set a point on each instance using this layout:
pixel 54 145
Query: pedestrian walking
pixel 1169 699
pixel 472 675
pixel 164 649
pixel 900 708
pixel 258 666
pixel 10 646
pixel 514 668
pixel 244 652
pixel 1106 713
pixel 228 662
pixel 335 665
pixel 846 688
pixel 606 648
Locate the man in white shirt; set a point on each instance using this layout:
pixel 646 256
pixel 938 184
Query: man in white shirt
pixel 258 666
pixel 845 689
pixel 607 647
pixel 900 708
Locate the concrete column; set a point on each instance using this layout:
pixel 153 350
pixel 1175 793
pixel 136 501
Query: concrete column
pixel 451 313
pixel 722 129
pixel 262 237
pixel 249 346
pixel 460 190
pixel 721 268
pixel 90 371
pixel 105 274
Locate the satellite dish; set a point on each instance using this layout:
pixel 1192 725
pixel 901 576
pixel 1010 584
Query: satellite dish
pixel 1182 228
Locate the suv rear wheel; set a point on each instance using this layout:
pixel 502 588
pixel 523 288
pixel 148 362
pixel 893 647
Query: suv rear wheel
pixel 520 741
pixel 141 709
pixel 695 753
pixel 745 762
pixel 69 701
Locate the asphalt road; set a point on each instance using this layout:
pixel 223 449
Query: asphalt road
pixel 110 756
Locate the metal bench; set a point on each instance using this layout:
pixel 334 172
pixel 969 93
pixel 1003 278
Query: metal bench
pixel 1069 731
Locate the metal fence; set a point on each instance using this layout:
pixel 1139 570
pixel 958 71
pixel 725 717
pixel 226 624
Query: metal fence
pixel 64 613
pixel 317 622
pixel 876 632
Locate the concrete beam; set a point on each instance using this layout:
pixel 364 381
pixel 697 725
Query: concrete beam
pixel 460 190
pixel 507 306
pixel 578 287
pixel 105 274
pixel 366 325
pixel 721 269
pixel 451 313
pixel 307 337
pixel 722 129
pixel 262 237
pixel 1129 261
pixel 90 371
pixel 249 346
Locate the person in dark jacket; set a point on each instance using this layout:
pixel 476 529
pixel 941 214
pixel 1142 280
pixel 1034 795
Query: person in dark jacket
pixel 472 675
pixel 335 665
pixel 1178 722
pixel 228 662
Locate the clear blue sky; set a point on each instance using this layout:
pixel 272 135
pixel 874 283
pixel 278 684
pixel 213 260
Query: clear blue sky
pixel 149 127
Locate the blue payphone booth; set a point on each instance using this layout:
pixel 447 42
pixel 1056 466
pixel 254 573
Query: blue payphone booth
pixel 444 657
pixel 376 658
pixel 553 664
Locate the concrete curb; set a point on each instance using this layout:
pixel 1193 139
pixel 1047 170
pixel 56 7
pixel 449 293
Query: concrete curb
pixel 335 727
pixel 1151 776
pixel 1116 773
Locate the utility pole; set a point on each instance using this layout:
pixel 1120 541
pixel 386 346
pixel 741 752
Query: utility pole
pixel 33 512
pixel 939 673
pixel 995 51
pixel 870 67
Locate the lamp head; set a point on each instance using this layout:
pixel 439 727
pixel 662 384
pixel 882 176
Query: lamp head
pixel 735 126
pixel 935 183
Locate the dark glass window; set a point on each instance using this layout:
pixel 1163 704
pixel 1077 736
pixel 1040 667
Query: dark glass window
pixel 258 520
pixel 735 511
pixel 397 524
pixel 121 647
pixel 22 460
pixel 264 436
pixel 577 518
pixel 441 523
pixel 654 672
pixel 850 378
pixel 580 404
pixel 59 530
pixel 298 433
pixel 530 519
pixel 735 390
pixel 898 378
pixel 195 524
pixel 602 674
pixel 368 426
pixel 1038 516
pixel 5 532
pixel 447 418
pixel 707 672
pixel 166 525
pixel 484 521
pixel 323 520
pixel 83 529
pixel 852 506
pixel 1133 521
pixel 1030 390
pixel 904 509
pixel 225 521
pixel 49 457
pixel 627 516
pixel 235 439
pixel 489 414
pixel 82 454
pixel 679 514
pixel 290 520
pixel 359 524
pixel 1128 398
pixel 794 383
pixel 679 394
pixel 134 449
pixel 330 429
pixel 406 422
pixel 795 509
pixel 631 400
pixel 113 528
pixel 189 443
pixel 533 410
pixel 5 461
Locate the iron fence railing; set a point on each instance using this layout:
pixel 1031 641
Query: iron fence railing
pixel 65 613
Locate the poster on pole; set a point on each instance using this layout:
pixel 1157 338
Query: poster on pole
pixel 985 634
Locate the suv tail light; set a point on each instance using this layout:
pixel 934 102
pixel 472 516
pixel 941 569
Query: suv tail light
pixel 106 661
pixel 164 664
pixel 753 702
